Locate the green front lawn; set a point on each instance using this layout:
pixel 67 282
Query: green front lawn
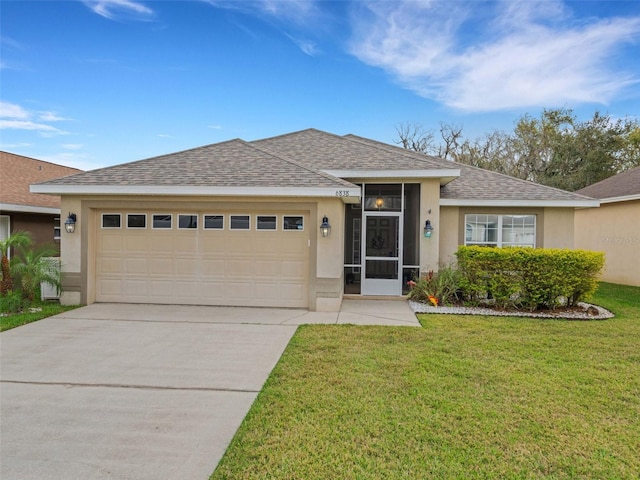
pixel 17 319
pixel 463 397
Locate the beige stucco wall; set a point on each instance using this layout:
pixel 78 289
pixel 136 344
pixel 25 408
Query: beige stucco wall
pixel 449 234
pixel 430 247
pixel 325 270
pixel 613 228
pixel 558 230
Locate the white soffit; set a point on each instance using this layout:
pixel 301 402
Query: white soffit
pixel 454 202
pixel 445 175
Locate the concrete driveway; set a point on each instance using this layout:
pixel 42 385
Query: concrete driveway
pixel 114 391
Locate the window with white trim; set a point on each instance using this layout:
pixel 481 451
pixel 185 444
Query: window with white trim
pixel 213 222
pixel 161 221
pixel 187 222
pixel 493 230
pixel 266 222
pixel 136 220
pixel 293 222
pixel 56 228
pixel 111 220
pixel 239 222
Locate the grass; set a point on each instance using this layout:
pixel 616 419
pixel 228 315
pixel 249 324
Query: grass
pixel 464 397
pixel 17 319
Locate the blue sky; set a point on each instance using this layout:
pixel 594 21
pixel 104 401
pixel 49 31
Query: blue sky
pixel 96 83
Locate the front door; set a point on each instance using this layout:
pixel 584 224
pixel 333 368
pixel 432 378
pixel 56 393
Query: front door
pixel 383 252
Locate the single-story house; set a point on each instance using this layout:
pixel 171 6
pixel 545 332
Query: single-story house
pixel 614 228
pixel 21 210
pixel 296 220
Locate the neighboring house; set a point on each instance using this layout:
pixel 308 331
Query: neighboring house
pixel 614 228
pixel 244 223
pixel 21 210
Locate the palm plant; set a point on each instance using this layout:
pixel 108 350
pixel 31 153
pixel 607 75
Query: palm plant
pixel 16 239
pixel 33 267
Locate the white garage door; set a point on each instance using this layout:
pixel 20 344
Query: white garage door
pixel 198 258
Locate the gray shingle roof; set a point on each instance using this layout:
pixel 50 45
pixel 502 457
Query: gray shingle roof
pixel 326 151
pixel 298 160
pixel 234 163
pixel 623 184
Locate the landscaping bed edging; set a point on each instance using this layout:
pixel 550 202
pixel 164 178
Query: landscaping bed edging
pixel 582 314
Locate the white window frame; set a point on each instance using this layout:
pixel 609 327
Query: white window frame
pixel 170 215
pixel 239 229
pixel 267 229
pixel 500 243
pixel 57 231
pixel 204 222
pixel 188 215
pixel 293 229
pixel 110 228
pixel 137 228
pixel 5 233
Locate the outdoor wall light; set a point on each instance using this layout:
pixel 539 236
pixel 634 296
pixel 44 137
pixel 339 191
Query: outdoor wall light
pixel 428 229
pixel 70 223
pixel 325 228
pixel 379 202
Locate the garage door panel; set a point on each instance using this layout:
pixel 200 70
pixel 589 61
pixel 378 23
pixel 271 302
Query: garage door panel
pixel 110 266
pixel 213 268
pixel 111 287
pixel 239 268
pixel 160 266
pixel 187 267
pixel 136 266
pixel 136 290
pixel 206 267
pixel 135 243
pixel 160 243
pixel 111 242
pixel 238 243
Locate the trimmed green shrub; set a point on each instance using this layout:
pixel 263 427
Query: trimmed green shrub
pixel 531 278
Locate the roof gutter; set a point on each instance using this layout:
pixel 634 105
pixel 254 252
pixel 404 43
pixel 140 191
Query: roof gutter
pixel 464 202
pixel 10 207
pixel 346 194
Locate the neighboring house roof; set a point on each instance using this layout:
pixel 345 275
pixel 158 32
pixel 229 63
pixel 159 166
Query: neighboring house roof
pixel 621 187
pixel 309 162
pixel 17 173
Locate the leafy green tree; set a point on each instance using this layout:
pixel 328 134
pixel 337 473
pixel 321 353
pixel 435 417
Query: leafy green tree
pixel 555 149
pixel 15 240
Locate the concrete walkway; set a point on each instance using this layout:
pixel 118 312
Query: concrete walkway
pixel 114 391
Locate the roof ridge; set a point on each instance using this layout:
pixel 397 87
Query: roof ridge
pixel 297 164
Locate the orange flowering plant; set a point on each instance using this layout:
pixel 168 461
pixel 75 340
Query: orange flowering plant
pixel 435 288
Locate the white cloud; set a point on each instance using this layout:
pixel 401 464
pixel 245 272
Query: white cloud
pixel 295 11
pixel 308 47
pixel 14 117
pixel 72 146
pixel 45 130
pixel 165 135
pixel 474 59
pixel 50 117
pixel 114 9
pixel 11 110
pixel 215 127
